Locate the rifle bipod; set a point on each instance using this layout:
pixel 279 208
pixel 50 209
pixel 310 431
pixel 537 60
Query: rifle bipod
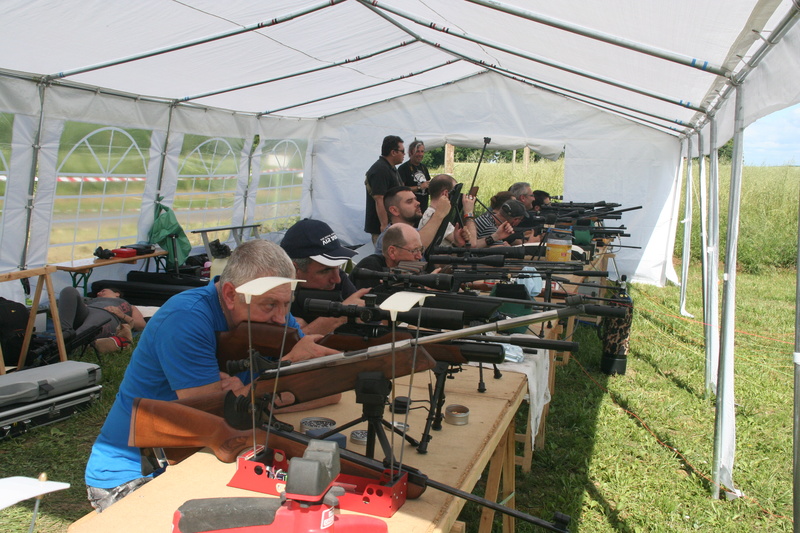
pixel 372 392
pixel 443 371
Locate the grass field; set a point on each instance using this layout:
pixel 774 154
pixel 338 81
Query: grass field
pixel 629 453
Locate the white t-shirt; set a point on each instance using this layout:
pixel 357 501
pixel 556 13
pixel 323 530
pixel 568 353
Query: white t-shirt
pixel 447 240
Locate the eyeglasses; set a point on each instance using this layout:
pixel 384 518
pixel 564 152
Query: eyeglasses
pixel 401 151
pixel 413 251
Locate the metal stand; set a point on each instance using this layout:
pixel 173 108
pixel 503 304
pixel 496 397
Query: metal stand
pixel 442 371
pixel 372 392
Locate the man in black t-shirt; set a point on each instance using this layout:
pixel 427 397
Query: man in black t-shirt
pixel 381 177
pixel 414 174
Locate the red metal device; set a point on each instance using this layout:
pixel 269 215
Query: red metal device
pixel 308 503
pixel 362 495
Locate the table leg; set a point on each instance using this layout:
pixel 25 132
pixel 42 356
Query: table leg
pixel 81 279
pixel 510 478
pixel 501 465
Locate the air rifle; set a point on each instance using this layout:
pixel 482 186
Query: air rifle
pixel 420 316
pixel 333 374
pixel 323 376
pixel 441 282
pixel 160 424
pixel 509 252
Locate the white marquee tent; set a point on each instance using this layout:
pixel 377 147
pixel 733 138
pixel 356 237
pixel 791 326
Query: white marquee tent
pixel 250 111
pixel 616 86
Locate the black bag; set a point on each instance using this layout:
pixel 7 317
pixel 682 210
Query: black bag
pixel 13 321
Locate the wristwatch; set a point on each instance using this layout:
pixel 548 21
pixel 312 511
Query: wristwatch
pixel 490 240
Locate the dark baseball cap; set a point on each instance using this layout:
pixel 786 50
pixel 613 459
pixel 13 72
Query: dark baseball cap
pixel 514 209
pixel 316 240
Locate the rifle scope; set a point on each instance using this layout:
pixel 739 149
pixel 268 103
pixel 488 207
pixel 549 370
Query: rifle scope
pixel 510 252
pixel 440 282
pixel 425 317
pixel 489 260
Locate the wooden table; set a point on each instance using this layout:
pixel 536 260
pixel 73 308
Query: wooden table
pixel 238 233
pixel 457 456
pixel 80 273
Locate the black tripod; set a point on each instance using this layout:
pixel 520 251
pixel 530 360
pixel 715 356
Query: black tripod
pixel 372 392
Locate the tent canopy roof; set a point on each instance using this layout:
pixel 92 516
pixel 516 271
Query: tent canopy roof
pixel 313 58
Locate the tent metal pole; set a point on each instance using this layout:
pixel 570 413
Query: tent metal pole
pixel 562 91
pixel 211 38
pixel 374 5
pixel 712 258
pixel 796 411
pixel 163 161
pixel 687 227
pixel 37 139
pixel 296 74
pixel 692 62
pixel 780 30
pixel 555 89
pixel 725 419
pixel 704 240
pixel 350 91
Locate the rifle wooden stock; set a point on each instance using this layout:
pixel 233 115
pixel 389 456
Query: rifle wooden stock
pixel 322 377
pixel 160 424
pixel 267 339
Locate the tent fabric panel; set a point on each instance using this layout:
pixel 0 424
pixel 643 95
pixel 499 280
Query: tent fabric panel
pixel 157 144
pixel 19 96
pixel 14 212
pixel 41 214
pixel 630 171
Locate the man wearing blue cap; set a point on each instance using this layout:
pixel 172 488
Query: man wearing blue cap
pixel 318 256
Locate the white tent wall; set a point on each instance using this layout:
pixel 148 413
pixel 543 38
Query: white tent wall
pixel 607 158
pixel 637 168
pixel 62 104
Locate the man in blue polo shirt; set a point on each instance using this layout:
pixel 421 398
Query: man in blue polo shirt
pixel 176 358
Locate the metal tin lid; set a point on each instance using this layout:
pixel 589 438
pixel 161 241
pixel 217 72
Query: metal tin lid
pixel 316 422
pixel 358 436
pixel 401 426
pixel 458 415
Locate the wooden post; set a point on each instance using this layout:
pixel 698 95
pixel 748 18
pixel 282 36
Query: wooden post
pixel 526 157
pixel 449 158
pixel 44 276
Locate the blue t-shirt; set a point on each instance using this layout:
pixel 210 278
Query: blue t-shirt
pixel 177 350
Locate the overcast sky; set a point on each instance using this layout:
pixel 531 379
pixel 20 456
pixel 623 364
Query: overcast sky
pixel 774 139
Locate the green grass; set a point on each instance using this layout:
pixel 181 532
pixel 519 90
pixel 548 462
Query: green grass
pixel 630 453
pixel 634 452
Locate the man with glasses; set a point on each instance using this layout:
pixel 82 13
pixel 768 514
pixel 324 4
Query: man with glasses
pixel 522 191
pixel 401 243
pixel 381 177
